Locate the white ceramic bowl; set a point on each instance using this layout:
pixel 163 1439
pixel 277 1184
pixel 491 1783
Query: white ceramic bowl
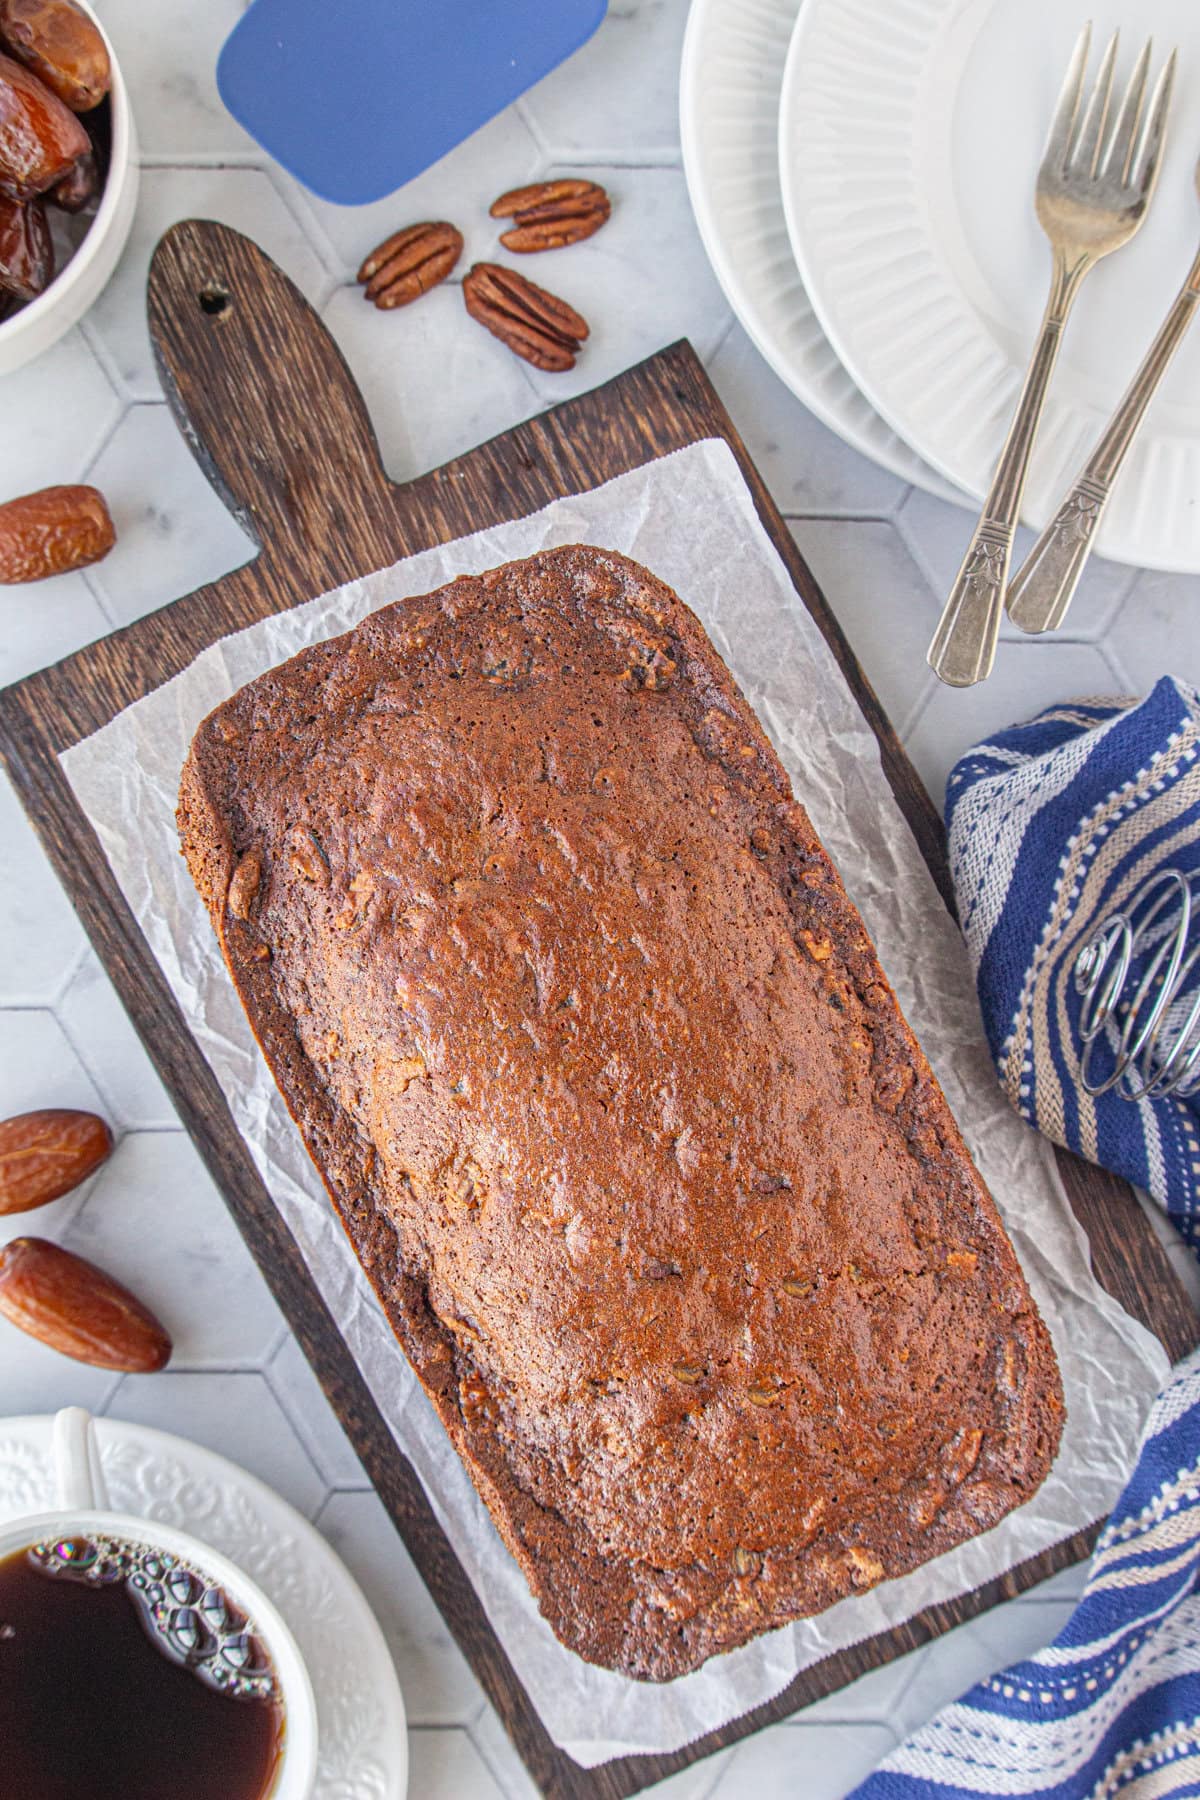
pixel 83 1508
pixel 44 320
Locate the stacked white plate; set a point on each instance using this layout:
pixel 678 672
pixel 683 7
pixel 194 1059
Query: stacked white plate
pixel 862 173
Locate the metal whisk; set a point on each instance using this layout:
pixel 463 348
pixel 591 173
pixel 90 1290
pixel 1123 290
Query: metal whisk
pixel 1141 995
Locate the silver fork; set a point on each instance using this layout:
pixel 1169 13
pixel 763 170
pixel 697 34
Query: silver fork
pixel 1093 189
pixel 1042 590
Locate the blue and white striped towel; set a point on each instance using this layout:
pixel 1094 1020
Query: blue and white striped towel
pixel 1053 825
pixel 1112 1707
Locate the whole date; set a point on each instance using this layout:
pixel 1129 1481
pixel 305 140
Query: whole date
pixel 57 40
pixel 26 251
pixel 39 137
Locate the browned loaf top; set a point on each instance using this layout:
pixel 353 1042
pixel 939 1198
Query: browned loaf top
pixel 599 1065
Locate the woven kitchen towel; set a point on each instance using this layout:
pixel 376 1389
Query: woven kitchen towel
pixel 1112 1707
pixel 1054 825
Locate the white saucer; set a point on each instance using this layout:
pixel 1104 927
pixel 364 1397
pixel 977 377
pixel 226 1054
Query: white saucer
pixel 363 1740
pixel 733 58
pixel 910 135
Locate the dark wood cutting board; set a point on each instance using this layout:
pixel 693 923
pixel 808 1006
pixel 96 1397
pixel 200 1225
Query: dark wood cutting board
pixel 270 411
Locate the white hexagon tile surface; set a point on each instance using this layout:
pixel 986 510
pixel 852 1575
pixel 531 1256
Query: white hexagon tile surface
pixel 92 409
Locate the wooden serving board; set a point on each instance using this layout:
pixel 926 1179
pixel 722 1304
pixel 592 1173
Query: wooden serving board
pixel 270 411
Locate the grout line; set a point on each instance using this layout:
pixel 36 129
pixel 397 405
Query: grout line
pixel 158 161
pixel 842 518
pixel 726 333
pixel 72 970
pixel 293 197
pixel 649 160
pixel 480 1748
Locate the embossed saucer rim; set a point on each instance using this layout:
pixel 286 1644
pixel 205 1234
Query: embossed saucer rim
pixel 360 1644
pixel 730 77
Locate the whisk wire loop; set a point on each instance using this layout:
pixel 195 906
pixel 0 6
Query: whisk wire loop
pixel 1153 1032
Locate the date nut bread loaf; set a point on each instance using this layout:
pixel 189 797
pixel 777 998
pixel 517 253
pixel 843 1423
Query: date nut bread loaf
pixel 618 1109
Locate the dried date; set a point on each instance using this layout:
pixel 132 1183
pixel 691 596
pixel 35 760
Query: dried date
pixel 46 1154
pixel 56 529
pixel 39 137
pixel 73 1307
pixel 79 186
pixel 26 250
pixel 63 47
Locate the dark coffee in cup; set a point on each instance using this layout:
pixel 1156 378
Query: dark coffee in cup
pixel 125 1674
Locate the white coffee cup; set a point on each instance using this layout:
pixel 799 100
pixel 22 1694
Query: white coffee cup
pixel 82 1509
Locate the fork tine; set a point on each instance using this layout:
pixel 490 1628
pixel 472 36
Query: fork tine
pixel 1148 155
pixel 1058 141
pixel 1085 151
pixel 1118 152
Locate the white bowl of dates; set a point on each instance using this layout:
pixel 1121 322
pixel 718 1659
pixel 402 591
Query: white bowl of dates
pixel 68 170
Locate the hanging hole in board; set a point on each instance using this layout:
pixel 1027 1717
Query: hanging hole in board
pixel 213 299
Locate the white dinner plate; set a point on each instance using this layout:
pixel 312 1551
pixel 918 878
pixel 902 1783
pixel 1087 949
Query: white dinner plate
pixel 733 59
pixel 362 1738
pixel 909 138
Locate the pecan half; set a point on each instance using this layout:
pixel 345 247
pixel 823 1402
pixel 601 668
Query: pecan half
pixel 549 214
pixel 410 262
pixel 534 324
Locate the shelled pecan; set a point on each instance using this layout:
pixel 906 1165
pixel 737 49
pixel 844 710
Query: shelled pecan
pixel 410 262
pixel 534 324
pixel 549 214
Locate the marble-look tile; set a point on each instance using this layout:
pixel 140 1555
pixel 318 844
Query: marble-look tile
pixel 406 362
pixel 938 534
pixel 1154 632
pixel 460 187
pixel 822 1762
pixel 633 303
pixel 810 472
pixel 155 1215
pixel 313 1419
pixel 445 1765
pixel 34 1379
pixel 872 1696
pixel 957 1660
pixel 882 602
pixel 439 1688
pixel 236 1415
pixel 107 1044
pixel 1067 1585
pixel 173 533
pixel 56 412
pixel 244 198
pixel 58 617
pixel 41 937
pixel 693 1783
pixel 1029 676
pixel 619 94
pixel 38 1068
pixel 168 56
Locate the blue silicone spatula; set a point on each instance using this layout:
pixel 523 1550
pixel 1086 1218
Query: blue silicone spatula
pixel 355 97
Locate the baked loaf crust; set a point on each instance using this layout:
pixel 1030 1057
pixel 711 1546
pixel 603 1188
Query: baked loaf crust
pixel 602 1073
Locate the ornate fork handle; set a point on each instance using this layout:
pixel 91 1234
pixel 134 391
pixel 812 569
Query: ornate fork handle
pixel 1042 590
pixel 964 645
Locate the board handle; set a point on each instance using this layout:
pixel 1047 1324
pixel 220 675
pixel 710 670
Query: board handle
pixel 264 398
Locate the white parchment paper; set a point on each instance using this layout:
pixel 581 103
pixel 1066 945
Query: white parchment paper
pixel 689 518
